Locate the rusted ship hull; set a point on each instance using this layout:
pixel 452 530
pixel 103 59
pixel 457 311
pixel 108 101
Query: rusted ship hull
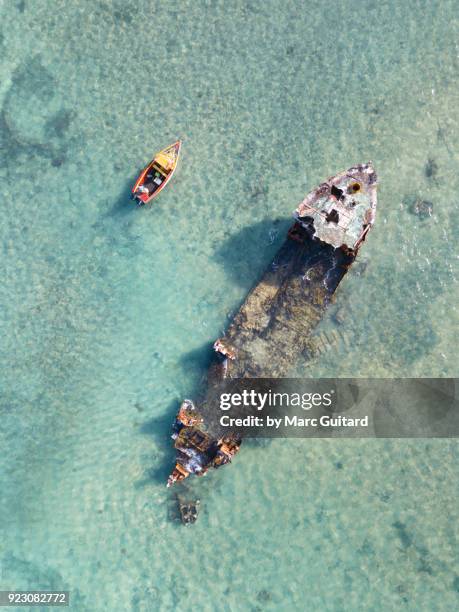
pixel 276 321
pixel 274 324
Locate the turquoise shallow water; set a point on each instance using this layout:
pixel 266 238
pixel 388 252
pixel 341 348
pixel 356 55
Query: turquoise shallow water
pixel 108 311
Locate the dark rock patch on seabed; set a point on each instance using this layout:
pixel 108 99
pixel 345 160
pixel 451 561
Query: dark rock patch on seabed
pixel 57 162
pixel 118 15
pixel 403 534
pixel 423 209
pixel 29 124
pixel 58 124
pixel 264 596
pixel 417 206
pixel 423 556
pixel 431 169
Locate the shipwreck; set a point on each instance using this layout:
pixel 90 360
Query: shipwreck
pixel 274 324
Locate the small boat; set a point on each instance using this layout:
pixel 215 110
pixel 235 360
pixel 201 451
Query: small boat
pixel 157 174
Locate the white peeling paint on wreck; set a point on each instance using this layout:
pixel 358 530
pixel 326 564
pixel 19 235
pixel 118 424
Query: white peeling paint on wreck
pixel 341 210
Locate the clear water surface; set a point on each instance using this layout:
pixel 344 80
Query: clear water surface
pixel 107 311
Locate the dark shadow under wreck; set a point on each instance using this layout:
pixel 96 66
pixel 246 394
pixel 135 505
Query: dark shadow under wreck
pixel 275 323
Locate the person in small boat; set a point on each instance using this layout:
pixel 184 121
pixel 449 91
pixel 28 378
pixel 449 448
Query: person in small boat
pixel 150 187
pixel 152 181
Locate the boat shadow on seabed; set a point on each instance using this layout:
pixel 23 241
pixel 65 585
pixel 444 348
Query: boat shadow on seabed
pixel 123 205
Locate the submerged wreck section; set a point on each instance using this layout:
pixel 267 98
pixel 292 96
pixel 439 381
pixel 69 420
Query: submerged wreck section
pixel 198 450
pixel 274 324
